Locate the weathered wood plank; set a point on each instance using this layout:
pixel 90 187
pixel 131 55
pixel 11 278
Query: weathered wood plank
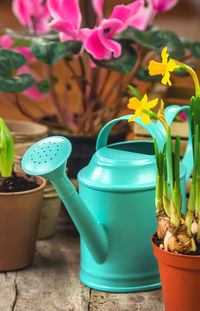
pixel 8 291
pixel 144 301
pixel 52 283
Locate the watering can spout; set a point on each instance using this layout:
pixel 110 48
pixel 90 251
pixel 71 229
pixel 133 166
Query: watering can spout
pixel 38 160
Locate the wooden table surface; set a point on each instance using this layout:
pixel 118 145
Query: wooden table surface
pixel 52 282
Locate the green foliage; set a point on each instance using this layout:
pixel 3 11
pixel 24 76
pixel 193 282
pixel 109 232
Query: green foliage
pixel 10 61
pixel 44 85
pixel 17 84
pixel 51 51
pixel 6 150
pixel 155 40
pixel 124 64
pixel 194 48
pixel 135 92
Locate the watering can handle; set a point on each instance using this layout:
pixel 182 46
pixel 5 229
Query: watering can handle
pixel 170 114
pixel 102 138
pixel 157 131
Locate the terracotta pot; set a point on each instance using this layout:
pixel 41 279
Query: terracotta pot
pixel 49 215
pixel 180 279
pixel 19 218
pixel 26 131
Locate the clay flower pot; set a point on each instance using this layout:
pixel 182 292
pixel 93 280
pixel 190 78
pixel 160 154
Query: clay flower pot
pixel 180 279
pixel 26 131
pixel 19 218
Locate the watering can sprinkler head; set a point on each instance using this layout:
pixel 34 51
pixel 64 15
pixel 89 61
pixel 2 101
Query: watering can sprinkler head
pixel 48 158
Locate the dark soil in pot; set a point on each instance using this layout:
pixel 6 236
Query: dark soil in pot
pixel 17 183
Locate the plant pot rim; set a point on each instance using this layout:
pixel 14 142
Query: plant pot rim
pixel 42 185
pixel 197 257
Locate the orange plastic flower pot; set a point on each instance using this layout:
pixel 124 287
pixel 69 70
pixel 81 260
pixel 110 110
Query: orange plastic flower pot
pixel 180 279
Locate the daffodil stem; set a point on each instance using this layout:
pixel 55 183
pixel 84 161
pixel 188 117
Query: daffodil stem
pixel 182 66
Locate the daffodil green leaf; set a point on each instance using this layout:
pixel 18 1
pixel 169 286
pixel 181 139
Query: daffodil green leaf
pixel 124 64
pixel 10 61
pixel 135 92
pixel 16 84
pixel 51 51
pixel 6 150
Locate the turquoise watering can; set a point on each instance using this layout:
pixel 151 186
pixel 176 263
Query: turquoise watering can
pixel 115 210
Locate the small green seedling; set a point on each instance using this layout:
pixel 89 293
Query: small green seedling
pixel 6 150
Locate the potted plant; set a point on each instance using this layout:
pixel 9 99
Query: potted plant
pixel 20 202
pixel 176 243
pixel 101 56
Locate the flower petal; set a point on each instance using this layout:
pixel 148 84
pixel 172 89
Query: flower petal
pixel 142 15
pixel 152 103
pixel 6 41
pixel 112 25
pixel 171 65
pixel 66 10
pixel 109 44
pixel 145 118
pixel 54 9
pixel 98 8
pixel 121 12
pixel 95 47
pixel 166 79
pixel 162 6
pixel 156 68
pixel 33 14
pixel 63 26
pixel 144 99
pixel 164 55
pixel 136 115
pixel 134 103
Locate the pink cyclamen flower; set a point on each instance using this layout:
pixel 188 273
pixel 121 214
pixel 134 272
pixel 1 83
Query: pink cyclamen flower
pixel 162 6
pixel 32 91
pixel 183 116
pixel 98 8
pixel 67 18
pixel 99 42
pixel 32 13
pixel 6 41
pixel 135 14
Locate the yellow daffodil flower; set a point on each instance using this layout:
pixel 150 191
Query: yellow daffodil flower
pixel 164 68
pixel 142 108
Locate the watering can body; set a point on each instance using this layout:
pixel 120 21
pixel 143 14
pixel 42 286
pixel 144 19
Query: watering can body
pixel 115 209
pixel 118 187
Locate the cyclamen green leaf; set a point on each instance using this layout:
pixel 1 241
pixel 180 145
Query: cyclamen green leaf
pixel 16 84
pixel 10 61
pixel 124 64
pixel 50 52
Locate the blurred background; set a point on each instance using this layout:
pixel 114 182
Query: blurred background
pixel 184 19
